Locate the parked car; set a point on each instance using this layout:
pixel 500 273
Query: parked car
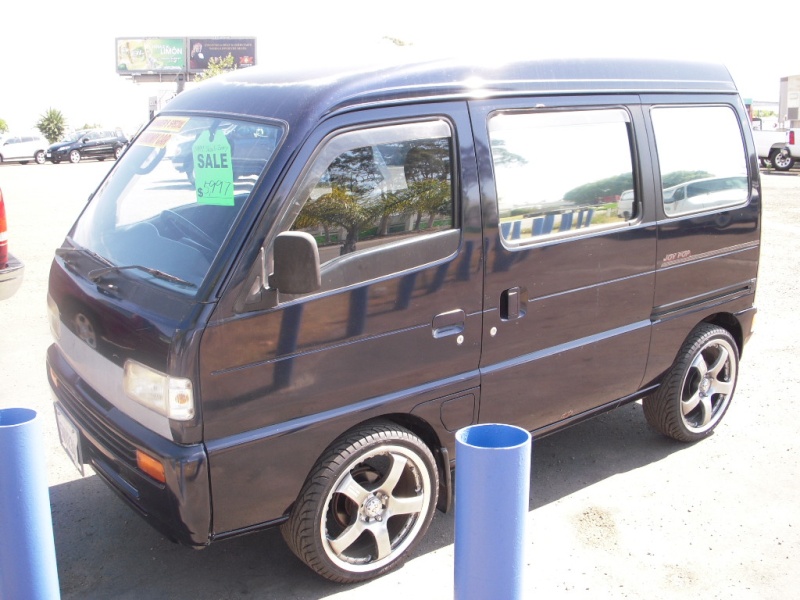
pixel 23 148
pixel 625 205
pixel 299 347
pixel 11 269
pixel 98 144
pixel 704 194
pixel 778 146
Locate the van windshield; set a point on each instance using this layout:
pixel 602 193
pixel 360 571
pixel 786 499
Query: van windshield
pixel 166 208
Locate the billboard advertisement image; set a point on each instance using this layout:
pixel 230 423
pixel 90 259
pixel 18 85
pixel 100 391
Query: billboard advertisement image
pixel 201 50
pixel 151 55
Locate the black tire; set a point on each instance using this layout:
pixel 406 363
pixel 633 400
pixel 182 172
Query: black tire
pixel 75 157
pixel 39 157
pixel 366 504
pixel 696 392
pixel 781 162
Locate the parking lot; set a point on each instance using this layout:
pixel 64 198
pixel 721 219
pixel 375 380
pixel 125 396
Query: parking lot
pixel 616 511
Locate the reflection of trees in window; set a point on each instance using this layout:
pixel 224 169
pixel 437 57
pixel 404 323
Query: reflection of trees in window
pixel 355 172
pixel 427 171
pixel 503 156
pixel 363 195
pixel 431 197
pixel 341 208
pixel 678 177
pixel 597 190
pixel 355 199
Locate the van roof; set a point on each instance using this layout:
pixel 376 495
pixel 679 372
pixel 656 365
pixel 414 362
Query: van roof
pixel 313 92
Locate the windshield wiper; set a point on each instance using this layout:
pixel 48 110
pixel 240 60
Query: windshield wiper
pixel 67 253
pixel 98 274
pixel 64 251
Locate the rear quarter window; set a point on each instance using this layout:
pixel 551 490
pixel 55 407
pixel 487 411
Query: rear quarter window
pixel 702 159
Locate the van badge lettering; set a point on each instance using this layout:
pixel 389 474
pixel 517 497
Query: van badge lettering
pixel 676 256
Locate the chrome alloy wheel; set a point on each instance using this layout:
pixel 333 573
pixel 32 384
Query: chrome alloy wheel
pixel 376 508
pixel 708 386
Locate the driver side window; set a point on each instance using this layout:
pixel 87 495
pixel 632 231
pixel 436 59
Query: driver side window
pixel 372 191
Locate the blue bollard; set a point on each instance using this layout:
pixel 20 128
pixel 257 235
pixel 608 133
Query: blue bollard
pixel 493 464
pixel 27 550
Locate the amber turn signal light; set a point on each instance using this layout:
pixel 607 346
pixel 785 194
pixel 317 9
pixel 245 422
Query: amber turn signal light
pixel 154 468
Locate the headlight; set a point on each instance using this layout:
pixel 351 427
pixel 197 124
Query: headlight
pixel 169 396
pixel 54 317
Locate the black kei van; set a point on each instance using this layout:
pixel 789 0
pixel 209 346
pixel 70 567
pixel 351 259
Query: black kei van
pixel 294 287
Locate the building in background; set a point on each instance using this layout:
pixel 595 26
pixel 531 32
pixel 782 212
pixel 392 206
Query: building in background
pixel 789 102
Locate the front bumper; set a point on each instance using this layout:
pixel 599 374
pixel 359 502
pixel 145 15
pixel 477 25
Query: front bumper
pixel 11 277
pixel 57 156
pixel 109 439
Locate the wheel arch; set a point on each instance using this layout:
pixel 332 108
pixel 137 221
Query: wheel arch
pixel 425 432
pixel 667 356
pixel 731 324
pixel 418 426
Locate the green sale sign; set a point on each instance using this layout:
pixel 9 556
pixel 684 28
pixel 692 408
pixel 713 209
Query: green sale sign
pixel 213 169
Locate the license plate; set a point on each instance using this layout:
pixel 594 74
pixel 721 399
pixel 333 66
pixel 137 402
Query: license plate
pixel 70 438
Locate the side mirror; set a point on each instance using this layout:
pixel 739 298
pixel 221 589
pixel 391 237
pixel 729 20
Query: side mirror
pixel 296 263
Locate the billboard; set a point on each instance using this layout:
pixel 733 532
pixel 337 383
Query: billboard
pixel 201 50
pixel 151 55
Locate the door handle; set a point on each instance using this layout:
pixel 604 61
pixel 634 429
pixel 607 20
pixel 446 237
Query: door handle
pixel 513 303
pixel 449 323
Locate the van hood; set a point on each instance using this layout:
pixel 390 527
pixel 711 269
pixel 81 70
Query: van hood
pixel 117 317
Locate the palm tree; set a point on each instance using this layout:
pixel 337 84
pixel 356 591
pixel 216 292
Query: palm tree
pixel 52 125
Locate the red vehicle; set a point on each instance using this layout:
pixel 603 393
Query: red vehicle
pixel 11 269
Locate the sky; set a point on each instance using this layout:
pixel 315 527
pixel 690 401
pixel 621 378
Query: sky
pixel 63 56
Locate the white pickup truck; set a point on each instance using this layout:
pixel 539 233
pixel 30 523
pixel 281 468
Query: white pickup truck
pixel 776 145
